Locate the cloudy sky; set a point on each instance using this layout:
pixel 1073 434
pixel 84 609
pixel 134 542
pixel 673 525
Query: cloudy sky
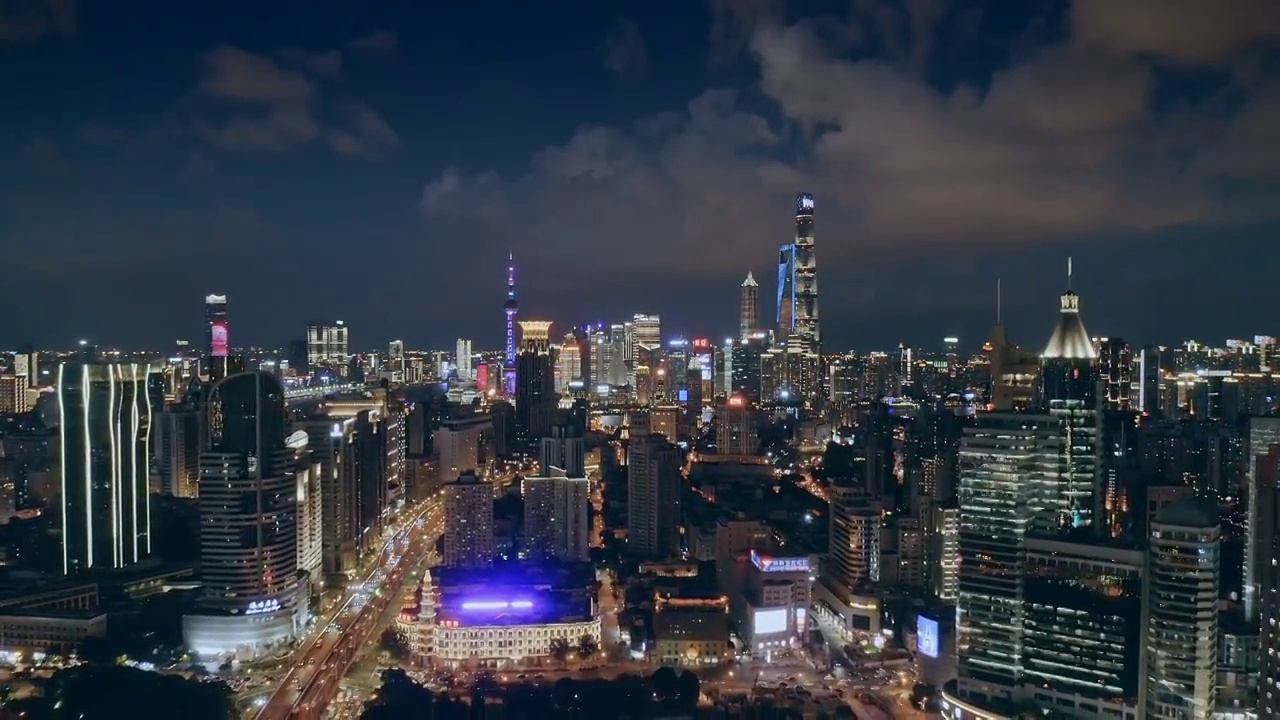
pixel 376 162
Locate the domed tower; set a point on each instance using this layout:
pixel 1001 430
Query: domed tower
pixel 1069 391
pixel 1069 364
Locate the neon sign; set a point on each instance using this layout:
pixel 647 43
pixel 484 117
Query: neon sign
pixel 767 564
pixel 260 607
pixel 497 605
pixel 218 337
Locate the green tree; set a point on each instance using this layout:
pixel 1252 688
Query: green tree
pixel 395 643
pixel 687 690
pixel 560 650
pixel 666 683
pixel 80 692
pixel 587 647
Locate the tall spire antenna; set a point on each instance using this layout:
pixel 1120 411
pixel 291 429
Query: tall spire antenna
pixel 1068 272
pixel 998 318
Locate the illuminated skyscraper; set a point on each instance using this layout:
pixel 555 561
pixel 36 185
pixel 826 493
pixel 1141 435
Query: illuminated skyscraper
pixel 462 360
pixel 105 447
pixel 468 513
pixel 536 399
pixel 1180 614
pixel 806 275
pixel 215 311
pixel 1069 391
pixel 248 522
pixel 328 346
pixel 749 312
pixel 786 315
pixel 510 307
pixel 569 362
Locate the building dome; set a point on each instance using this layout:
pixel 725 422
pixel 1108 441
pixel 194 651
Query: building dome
pixel 1069 340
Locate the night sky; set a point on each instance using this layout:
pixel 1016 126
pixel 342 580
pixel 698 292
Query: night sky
pixel 376 161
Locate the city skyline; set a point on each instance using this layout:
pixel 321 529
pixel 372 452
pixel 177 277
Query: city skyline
pixel 1004 142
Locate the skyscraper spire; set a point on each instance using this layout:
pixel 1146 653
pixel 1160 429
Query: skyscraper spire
pixel 748 317
pixel 510 307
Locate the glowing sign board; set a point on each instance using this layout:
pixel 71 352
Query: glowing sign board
pixel 927 642
pixel 260 607
pixel 767 564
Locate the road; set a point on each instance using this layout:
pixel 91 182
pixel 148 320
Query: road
pixel 307 686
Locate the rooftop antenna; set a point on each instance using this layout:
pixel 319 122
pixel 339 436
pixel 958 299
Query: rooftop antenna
pixel 1068 272
pixel 998 301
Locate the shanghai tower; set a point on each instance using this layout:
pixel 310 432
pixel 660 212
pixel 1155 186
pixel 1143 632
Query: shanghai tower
pixel 806 275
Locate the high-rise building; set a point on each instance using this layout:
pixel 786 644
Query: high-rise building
pixel 332 444
pixel 395 354
pixel 328 346
pixel 468 518
pixel 1115 368
pixel 620 372
pixel 944 551
pixel 1069 391
pixel 1008 468
pixel 460 444
pixel 462 360
pixel 568 363
pixel 563 448
pixel 736 427
pixel 653 493
pixel 216 339
pixel 13 394
pixel 178 454
pixel 749 313
pixel 307 470
pixel 1180 614
pixel 786 313
pixel 250 600
pixel 536 398
pixel 509 309
pixel 556 523
pixel 600 360
pixel 1146 383
pixel 645 339
pixel 746 360
pixel 806 276
pixel 27 362
pixel 1267 522
pixel 104 450
pixel 856 521
pixel 1263 433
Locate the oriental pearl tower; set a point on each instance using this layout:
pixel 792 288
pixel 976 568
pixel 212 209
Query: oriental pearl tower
pixel 510 307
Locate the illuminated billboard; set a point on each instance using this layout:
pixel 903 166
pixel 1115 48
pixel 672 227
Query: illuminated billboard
pixel 218 337
pixel 927 642
pixel 769 564
pixel 770 622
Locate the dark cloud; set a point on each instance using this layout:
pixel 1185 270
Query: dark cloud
pixel 1061 144
pixel 625 51
pixel 365 133
pixel 377 41
pixel 1187 31
pixel 280 108
pixel 25 20
pixel 322 64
